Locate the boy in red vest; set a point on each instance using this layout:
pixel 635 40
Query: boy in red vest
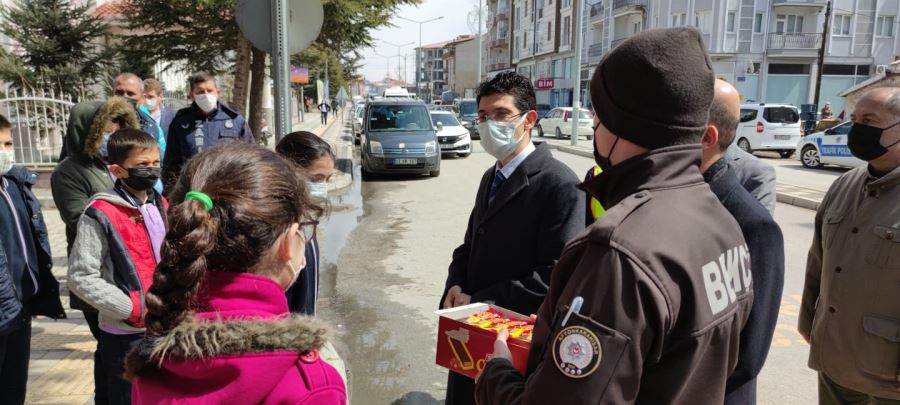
pixel 116 250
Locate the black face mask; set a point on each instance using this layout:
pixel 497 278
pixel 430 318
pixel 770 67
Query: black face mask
pixel 142 178
pixel 864 141
pixel 603 162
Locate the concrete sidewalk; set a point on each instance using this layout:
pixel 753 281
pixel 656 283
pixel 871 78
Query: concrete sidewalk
pixel 786 193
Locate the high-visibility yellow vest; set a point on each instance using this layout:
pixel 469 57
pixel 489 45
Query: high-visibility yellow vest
pixel 596 207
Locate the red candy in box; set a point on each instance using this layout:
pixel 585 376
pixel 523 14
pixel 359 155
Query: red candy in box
pixel 466 337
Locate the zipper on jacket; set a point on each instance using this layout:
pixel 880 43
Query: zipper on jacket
pixel 12 208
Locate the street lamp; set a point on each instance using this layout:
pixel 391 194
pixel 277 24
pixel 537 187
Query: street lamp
pixel 420 44
pixel 398 54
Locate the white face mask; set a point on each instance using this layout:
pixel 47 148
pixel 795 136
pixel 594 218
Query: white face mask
pixel 498 138
pixel 299 268
pixel 318 190
pixel 104 146
pixel 7 161
pixel 206 102
pixel 151 104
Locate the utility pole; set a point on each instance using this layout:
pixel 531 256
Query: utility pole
pixel 480 44
pixel 825 34
pixel 281 68
pixel 576 92
pixel 420 46
pixel 534 34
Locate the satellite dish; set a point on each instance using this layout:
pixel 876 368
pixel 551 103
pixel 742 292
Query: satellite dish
pixel 304 23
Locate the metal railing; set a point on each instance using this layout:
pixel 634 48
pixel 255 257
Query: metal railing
pixel 596 12
pixel 627 3
pixel 794 40
pixel 616 42
pixel 39 122
pixel 595 51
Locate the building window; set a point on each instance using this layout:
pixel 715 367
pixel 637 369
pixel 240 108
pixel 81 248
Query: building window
pixel 841 25
pixel 567 30
pixel 549 31
pixel 788 69
pixel 758 23
pixel 678 20
pixel 702 21
pixel 636 27
pixel 525 40
pixel 884 27
pixel 788 23
pixel 729 22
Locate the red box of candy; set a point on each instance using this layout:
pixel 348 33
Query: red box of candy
pixel 466 337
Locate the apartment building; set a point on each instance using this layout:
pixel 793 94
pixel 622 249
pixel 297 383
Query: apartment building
pixel 461 64
pixel 496 41
pixel 767 48
pixel 430 70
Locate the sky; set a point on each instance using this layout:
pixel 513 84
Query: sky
pixel 454 23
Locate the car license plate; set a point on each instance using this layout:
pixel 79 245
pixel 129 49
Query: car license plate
pixel 405 161
pixel 447 146
pixel 782 137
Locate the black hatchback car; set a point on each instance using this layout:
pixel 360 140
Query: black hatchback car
pixel 398 137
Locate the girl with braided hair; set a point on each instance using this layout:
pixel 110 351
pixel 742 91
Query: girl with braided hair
pixel 218 324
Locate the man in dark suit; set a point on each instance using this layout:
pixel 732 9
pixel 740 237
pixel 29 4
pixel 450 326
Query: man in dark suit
pixel 764 241
pixel 526 209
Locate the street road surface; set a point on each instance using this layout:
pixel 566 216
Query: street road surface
pixel 386 251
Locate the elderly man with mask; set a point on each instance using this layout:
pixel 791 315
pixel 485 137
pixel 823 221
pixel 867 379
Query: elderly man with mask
pixel 850 311
pixel 647 305
pixel 526 209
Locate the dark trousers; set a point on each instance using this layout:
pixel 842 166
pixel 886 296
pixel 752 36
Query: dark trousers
pixel 324 118
pixel 15 349
pixel 830 393
pixel 101 393
pixel 113 349
pixel 460 390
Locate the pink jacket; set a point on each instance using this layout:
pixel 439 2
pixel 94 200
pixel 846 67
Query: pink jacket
pixel 241 348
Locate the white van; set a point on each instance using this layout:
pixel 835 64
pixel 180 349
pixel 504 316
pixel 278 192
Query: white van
pixel 396 92
pixel 769 127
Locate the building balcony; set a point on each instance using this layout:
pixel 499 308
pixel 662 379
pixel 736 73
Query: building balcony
pixel 616 42
pixel 794 44
pixel 498 66
pixel 595 53
pixel 618 5
pixel 502 14
pixel 798 3
pixel 596 13
pixel 498 43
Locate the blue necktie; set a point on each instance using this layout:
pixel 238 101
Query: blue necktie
pixel 499 178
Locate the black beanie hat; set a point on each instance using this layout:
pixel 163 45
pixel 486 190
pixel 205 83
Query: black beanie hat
pixel 655 89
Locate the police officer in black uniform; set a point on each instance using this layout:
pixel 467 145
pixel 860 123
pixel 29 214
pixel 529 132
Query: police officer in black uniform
pixel 204 124
pixel 648 304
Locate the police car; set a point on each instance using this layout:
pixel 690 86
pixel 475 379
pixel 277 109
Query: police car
pixel 828 147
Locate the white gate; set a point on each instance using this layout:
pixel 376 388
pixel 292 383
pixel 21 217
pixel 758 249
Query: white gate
pixel 38 125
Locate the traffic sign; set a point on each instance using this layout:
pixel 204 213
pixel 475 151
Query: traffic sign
pixel 305 18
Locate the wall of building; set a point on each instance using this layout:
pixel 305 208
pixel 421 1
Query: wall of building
pixel 466 74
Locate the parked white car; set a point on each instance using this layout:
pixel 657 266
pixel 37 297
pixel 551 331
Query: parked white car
pixel 828 147
pixel 769 127
pixel 358 122
pixel 452 135
pixel 557 123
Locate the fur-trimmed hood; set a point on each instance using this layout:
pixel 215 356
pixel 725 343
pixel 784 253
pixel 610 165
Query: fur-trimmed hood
pixel 200 339
pixel 241 347
pixel 116 108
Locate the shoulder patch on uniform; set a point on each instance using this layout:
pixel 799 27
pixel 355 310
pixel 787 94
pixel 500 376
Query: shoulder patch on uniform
pixel 229 124
pixel 577 352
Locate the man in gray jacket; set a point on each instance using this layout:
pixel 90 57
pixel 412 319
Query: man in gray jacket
pixel 850 312
pixel 755 176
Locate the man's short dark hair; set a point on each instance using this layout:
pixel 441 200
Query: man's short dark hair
pixel 510 83
pixel 200 77
pixel 4 123
pixel 124 141
pixel 725 121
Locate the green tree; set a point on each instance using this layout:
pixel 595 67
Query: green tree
pixel 60 47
